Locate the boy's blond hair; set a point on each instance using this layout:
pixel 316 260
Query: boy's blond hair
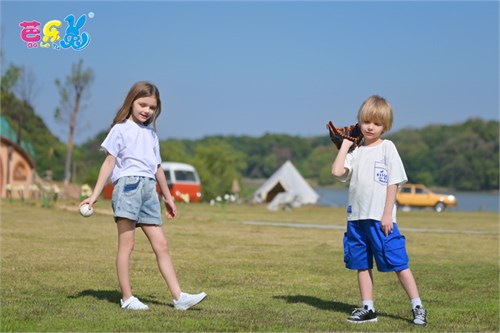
pixel 376 109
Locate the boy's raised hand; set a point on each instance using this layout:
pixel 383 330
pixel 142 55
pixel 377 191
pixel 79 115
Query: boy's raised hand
pixel 352 133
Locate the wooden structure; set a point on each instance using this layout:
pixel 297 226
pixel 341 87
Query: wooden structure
pixel 17 167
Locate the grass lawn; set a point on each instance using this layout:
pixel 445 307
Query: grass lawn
pixel 58 273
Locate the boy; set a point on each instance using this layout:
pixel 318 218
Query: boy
pixel 375 171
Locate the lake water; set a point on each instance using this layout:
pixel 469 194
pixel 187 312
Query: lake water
pixel 466 201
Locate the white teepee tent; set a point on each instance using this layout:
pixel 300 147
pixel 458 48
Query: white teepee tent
pixel 286 186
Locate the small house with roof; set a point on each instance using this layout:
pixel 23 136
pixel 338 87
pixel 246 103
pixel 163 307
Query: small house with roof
pixel 17 167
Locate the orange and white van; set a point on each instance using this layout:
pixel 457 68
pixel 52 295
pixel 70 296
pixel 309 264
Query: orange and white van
pixel 182 180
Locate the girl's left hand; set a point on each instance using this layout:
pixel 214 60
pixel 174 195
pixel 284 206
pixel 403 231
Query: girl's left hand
pixel 171 209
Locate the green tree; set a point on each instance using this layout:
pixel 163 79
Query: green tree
pixel 416 156
pixel 218 165
pixel 318 165
pixel 88 159
pixel 72 93
pixel 30 127
pixel 465 163
pixel 174 150
pixel 9 80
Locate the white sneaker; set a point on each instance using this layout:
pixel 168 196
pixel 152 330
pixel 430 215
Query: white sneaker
pixel 187 300
pixel 133 303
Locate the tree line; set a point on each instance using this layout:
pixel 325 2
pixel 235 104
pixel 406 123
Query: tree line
pixel 462 156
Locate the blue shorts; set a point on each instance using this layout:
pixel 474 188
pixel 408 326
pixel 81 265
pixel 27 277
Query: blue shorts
pixel 135 198
pixel 364 240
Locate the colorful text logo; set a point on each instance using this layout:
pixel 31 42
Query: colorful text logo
pixel 50 35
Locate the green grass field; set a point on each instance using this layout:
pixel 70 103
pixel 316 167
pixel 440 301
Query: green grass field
pixel 58 274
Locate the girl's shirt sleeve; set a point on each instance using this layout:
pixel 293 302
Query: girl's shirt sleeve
pixel 157 150
pixel 113 143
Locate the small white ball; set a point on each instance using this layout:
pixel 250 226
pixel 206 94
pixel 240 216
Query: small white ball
pixel 86 211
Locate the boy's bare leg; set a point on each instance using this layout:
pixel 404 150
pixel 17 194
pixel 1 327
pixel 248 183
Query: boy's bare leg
pixel 408 282
pixel 365 283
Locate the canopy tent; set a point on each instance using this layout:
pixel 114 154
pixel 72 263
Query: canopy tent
pixel 288 181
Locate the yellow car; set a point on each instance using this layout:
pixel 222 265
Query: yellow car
pixel 417 195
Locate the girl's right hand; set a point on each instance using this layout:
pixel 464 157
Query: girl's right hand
pixel 90 201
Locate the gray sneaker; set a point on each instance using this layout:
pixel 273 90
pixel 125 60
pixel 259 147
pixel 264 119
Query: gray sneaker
pixel 419 316
pixel 133 303
pixel 362 315
pixel 187 301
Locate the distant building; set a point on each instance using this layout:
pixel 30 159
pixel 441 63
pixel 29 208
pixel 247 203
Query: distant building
pixel 17 167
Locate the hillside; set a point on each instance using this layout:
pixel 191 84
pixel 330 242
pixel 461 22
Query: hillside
pixel 462 156
pixel 49 151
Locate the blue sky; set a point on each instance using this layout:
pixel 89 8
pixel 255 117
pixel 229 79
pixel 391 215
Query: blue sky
pixel 256 67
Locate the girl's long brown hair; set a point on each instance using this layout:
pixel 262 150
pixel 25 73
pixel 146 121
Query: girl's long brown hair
pixel 138 90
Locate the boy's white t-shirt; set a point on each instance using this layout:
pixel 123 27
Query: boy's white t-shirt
pixel 136 149
pixel 371 170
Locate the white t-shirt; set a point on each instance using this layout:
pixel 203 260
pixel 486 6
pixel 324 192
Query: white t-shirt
pixel 136 149
pixel 371 170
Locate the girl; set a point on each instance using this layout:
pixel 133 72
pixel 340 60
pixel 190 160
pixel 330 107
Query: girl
pixel 133 163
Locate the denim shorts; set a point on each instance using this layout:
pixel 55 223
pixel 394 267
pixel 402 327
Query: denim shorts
pixel 135 198
pixel 364 240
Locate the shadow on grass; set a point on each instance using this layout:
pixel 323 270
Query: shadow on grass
pixel 112 296
pixel 318 303
pixel 330 305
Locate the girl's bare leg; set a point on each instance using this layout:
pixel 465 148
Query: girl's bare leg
pixel 126 238
pixel 159 244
